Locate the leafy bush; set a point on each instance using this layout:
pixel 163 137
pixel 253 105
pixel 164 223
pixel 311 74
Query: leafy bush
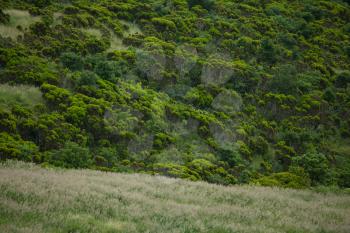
pixel 87 78
pixel 72 61
pixel 316 165
pixel 283 179
pixel 15 148
pixel 71 155
pixel 199 97
pixel 174 170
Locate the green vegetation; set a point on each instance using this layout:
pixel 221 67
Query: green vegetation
pixel 14 22
pixel 228 92
pixel 38 200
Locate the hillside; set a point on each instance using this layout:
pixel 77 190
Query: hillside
pixel 222 91
pixel 38 200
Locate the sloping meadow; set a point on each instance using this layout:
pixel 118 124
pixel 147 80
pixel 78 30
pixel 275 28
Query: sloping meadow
pixel 33 199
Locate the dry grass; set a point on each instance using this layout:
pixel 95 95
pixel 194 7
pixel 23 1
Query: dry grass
pixel 33 199
pixel 17 18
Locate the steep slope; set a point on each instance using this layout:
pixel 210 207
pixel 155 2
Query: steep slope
pixel 222 91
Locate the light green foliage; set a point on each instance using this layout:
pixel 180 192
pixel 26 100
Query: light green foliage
pixel 15 148
pixel 199 97
pixel 285 180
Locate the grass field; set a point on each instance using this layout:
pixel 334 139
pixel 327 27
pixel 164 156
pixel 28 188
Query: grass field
pixel 33 199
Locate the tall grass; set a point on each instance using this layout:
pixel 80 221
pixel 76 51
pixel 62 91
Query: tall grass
pixel 17 18
pixel 33 199
pixel 24 95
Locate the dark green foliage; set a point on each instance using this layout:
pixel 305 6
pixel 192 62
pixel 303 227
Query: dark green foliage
pixel 342 79
pixel 28 70
pixel 316 165
pixel 71 155
pixel 207 4
pixel 106 70
pixel 40 3
pixel 72 61
pixel 4 18
pixel 268 51
pixel 87 78
pixel 7 121
pixel 39 28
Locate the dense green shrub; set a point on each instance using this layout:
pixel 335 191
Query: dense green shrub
pixel 29 70
pixel 174 170
pixel 342 79
pixel 71 155
pixel 4 18
pixel 283 179
pixel 316 165
pixel 72 61
pixel 199 97
pixel 15 148
pixel 87 78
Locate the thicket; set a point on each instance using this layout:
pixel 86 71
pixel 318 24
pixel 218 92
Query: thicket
pixel 222 91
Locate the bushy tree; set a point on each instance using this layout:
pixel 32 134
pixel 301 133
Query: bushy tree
pixel 316 165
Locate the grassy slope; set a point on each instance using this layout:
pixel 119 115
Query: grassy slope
pixel 33 199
